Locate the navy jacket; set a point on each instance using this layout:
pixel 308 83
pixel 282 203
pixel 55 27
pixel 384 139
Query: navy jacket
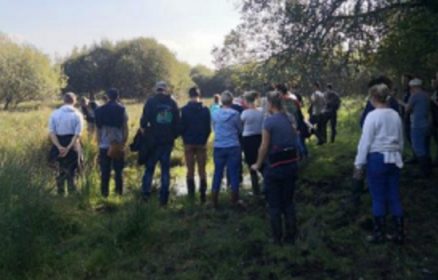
pixel 111 114
pixel 161 115
pixel 195 124
pixel 393 104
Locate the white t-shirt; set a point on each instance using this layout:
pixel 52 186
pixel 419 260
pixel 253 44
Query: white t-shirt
pixel 382 133
pixel 252 120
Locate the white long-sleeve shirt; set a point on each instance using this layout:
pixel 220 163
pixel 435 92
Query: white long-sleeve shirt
pixel 382 133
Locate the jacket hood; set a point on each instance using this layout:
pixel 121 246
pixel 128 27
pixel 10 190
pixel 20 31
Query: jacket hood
pixel 68 108
pixel 225 114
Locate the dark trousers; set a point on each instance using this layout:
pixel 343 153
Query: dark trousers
pixel 280 188
pixel 332 118
pixel 106 166
pixel 67 172
pixel 320 121
pixel 160 154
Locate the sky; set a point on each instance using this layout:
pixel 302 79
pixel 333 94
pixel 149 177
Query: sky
pixel 190 28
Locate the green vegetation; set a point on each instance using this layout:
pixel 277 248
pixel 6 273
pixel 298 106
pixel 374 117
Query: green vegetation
pixel 26 74
pixel 86 237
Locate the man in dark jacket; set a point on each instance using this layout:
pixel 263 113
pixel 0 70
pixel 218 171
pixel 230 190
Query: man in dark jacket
pixel 195 130
pixel 161 116
pixel 112 134
pixel 333 104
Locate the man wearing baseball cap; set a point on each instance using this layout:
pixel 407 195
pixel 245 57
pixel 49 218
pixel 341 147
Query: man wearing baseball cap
pixel 418 107
pixel 161 120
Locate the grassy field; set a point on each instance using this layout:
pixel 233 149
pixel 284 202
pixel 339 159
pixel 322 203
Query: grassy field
pixel 44 236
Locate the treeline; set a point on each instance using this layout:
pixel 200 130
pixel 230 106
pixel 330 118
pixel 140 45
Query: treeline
pixel 27 74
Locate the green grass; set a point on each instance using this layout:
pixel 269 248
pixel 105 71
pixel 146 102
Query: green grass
pixel 44 236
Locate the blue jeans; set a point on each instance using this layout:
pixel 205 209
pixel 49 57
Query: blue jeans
pixel 162 155
pixel 106 165
pixel 384 186
pixel 280 188
pixel 231 158
pixel 420 138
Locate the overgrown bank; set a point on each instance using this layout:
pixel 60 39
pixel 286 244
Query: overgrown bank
pixel 86 237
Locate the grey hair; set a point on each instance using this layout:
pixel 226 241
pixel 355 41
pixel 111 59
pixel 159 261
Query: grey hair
pixel 227 98
pixel 380 92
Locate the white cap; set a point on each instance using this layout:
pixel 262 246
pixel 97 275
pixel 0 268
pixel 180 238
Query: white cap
pixel 415 83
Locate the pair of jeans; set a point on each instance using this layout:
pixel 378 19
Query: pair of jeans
pixel 230 158
pixel 196 155
pixel 108 164
pixel 384 185
pixel 420 137
pixel 162 155
pixel 280 188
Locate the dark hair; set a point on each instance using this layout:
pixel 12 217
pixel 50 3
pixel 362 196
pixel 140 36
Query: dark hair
pixel 217 98
pixel 317 84
pixel 329 86
pixel 113 94
pixel 380 80
pixel 276 100
pixel 194 92
pixel 281 88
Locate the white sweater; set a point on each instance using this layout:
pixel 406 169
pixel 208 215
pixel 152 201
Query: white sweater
pixel 382 133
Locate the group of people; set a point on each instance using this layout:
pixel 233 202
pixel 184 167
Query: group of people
pixel 386 122
pixel 269 131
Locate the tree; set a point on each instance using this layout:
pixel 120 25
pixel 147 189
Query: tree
pixel 26 74
pixel 132 66
pixel 315 38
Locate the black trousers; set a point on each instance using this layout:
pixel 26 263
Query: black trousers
pixel 320 121
pixel 106 166
pixel 67 171
pixel 332 119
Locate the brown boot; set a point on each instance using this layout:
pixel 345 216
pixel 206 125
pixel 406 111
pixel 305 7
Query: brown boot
pixel 215 199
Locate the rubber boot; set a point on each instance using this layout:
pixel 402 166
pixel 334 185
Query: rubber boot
pixel 203 190
pixel 215 199
pixel 191 188
pixel 291 225
pixel 398 236
pixel 255 182
pixel 378 231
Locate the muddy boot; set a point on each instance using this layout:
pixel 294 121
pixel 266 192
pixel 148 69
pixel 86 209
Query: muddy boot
pixel 378 235
pixel 398 236
pixel 255 182
pixel 203 190
pixel 215 199
pixel 191 188
pixel 291 225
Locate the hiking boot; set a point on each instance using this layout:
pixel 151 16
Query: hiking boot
pixel 378 235
pixel 235 200
pixel 398 236
pixel 191 188
pixel 203 190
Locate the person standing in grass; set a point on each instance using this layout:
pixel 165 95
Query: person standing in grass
pixel 161 117
pixel 252 120
pixel 195 131
pixel 380 152
pixel 419 109
pixel 279 151
pixel 227 151
pixel 333 104
pixel 112 135
pixel 216 104
pixel 318 106
pixel 65 129
pixel 88 109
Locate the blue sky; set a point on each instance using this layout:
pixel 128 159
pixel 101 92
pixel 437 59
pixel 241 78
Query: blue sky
pixel 190 28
